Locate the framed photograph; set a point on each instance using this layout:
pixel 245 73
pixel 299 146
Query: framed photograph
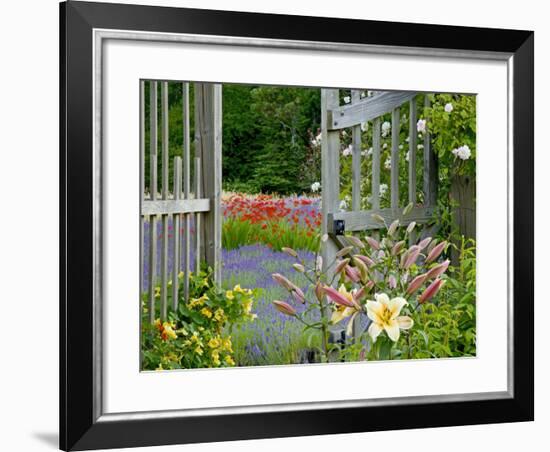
pixel 284 225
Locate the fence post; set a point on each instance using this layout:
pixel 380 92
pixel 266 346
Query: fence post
pixel 208 146
pixel 463 195
pixel 330 177
pixel 430 167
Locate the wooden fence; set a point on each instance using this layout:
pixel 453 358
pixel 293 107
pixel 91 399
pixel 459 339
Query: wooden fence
pixel 187 202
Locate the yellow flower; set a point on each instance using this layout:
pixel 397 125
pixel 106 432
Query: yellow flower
pixel 219 315
pixel 198 301
pixel 180 275
pixel 229 295
pixel 341 313
pixel 168 331
pixel 216 357
pixel 384 314
pixel 198 350
pixel 226 344
pixel 214 343
pixel 229 360
pixel 238 289
pixel 206 312
pixel 157 292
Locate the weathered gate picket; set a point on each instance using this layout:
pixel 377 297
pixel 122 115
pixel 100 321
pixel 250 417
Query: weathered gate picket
pixel 179 205
pixel 334 118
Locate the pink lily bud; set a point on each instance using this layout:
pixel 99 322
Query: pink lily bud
pixel 372 243
pixel 361 293
pixel 369 285
pixel 362 267
pixel 344 251
pixel 355 241
pixel 397 248
pixel 424 243
pixel 337 297
pixel 282 281
pixel 319 292
pixel 438 270
pixel 298 295
pixel 416 283
pixel 289 251
pixel 284 307
pixel 404 258
pixel 432 289
pixel 431 245
pixel 319 263
pixel 340 265
pixel 393 227
pixel 299 268
pixel 352 273
pixel 392 282
pixel 412 255
pixel 378 218
pixel 411 226
pixel 367 260
pixel 407 210
pixel 437 250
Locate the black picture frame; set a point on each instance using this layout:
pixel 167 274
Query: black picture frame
pixel 80 426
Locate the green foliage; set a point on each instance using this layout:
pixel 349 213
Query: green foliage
pixel 450 130
pixel 266 137
pixel 197 335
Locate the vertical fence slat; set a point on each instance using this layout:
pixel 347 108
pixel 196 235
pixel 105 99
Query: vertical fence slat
pixel 330 162
pixel 141 179
pixel 375 185
pixel 165 182
pixel 412 151
pixel 186 189
pixel 356 159
pixel 356 185
pixel 412 160
pixel 208 126
pixel 197 215
pixel 153 189
pixel 430 166
pixel 176 235
pixel 394 172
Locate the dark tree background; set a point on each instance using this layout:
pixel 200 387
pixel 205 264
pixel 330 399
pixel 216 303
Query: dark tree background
pixel 266 136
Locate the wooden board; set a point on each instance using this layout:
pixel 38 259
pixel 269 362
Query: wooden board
pixel 172 206
pixel 362 220
pixel 366 109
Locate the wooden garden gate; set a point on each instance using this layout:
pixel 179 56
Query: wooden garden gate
pixel 334 118
pixel 188 210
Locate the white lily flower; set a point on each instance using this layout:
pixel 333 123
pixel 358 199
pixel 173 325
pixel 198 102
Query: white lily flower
pixel 384 314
